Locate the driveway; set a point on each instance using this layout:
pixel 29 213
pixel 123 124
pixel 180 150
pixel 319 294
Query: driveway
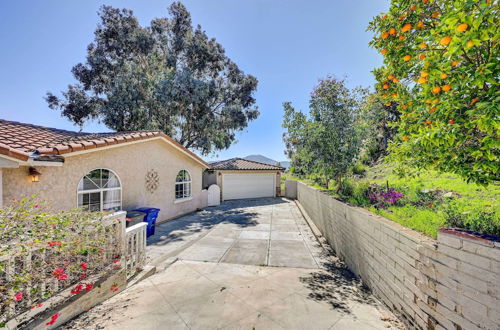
pixel 250 264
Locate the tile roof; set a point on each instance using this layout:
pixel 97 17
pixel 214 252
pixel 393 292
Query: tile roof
pixel 238 164
pixel 20 140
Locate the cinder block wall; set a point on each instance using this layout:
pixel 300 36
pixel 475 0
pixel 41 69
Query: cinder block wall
pixel 451 283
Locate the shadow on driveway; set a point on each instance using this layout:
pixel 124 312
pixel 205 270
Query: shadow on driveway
pixel 229 212
pixel 337 285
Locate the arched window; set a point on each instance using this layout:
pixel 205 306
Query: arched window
pixel 100 190
pixel 183 185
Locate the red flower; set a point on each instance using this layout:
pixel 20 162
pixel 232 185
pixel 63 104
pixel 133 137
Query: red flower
pixel 59 274
pixel 54 243
pixel 84 266
pixel 59 271
pixel 53 319
pixel 77 289
pixel 116 261
pixel 83 275
pixel 18 296
pixel 114 287
pixel 89 287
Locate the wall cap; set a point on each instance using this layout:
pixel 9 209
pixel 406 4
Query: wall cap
pixel 472 235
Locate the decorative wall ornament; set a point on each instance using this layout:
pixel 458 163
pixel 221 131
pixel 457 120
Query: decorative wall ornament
pixel 152 181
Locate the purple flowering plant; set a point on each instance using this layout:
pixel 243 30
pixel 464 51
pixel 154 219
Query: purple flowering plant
pixel 385 198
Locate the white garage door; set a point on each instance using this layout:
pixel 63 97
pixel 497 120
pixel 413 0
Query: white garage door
pixel 241 185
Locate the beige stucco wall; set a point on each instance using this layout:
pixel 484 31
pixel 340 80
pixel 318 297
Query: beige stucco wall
pixel 58 185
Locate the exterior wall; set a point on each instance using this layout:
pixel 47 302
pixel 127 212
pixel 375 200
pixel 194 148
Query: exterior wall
pixel 58 185
pixel 218 175
pixel 451 283
pixel 209 178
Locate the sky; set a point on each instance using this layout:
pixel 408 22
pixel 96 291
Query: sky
pixel 287 44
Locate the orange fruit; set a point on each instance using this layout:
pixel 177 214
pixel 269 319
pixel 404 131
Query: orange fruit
pixel 401 38
pixel 445 41
pixel 474 100
pixel 435 14
pixel 424 74
pixel 425 1
pixel 470 44
pixel 422 45
pixel 451 121
pixel 428 101
pixel 444 75
pixel 403 106
pixel 402 17
pixel 420 25
pixel 404 138
pixel 407 58
pixel 388 104
pixel 394 95
pixel 454 63
pixel 384 51
pixel 386 86
pixel 435 101
pixel 390 77
pixel 431 110
pixel 385 35
pixel 436 90
pixel 413 7
pixel 421 56
pixel 395 80
pixel 446 87
pixel 392 31
pixel 406 28
pixel 462 27
pixel 421 80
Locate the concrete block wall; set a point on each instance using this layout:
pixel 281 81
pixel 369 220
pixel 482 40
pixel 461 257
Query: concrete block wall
pixel 449 283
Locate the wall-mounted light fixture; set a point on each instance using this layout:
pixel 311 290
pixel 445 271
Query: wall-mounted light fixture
pixel 34 174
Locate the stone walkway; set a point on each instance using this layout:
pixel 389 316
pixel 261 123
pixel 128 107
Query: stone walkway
pixel 251 264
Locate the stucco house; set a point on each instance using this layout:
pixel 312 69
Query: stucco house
pixel 105 171
pixel 240 178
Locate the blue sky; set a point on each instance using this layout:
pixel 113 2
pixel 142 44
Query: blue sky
pixel 287 45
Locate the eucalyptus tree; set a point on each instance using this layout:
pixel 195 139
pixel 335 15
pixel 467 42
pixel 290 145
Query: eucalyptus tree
pixel 167 76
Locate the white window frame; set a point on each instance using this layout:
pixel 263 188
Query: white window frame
pixel 100 190
pixel 183 183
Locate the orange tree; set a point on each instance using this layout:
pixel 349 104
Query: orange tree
pixel 441 68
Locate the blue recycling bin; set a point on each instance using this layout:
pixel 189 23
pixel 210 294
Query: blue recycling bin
pixel 150 218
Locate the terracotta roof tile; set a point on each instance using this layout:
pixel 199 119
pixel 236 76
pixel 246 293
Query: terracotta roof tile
pixel 239 164
pixel 20 140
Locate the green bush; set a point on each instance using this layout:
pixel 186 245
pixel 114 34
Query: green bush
pixel 478 219
pixel 358 169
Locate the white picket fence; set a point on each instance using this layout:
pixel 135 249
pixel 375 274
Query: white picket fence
pixel 128 243
pixel 135 255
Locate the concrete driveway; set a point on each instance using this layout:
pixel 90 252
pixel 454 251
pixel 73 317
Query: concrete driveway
pixel 250 264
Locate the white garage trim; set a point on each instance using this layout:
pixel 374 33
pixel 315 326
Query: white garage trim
pixel 248 185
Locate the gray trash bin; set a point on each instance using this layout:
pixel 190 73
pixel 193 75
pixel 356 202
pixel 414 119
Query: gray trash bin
pixel 134 217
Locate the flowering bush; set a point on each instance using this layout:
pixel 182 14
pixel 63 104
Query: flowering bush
pixel 44 252
pixel 384 198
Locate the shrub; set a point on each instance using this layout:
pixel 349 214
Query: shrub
pixel 477 219
pixel 39 246
pixel 359 169
pixel 383 198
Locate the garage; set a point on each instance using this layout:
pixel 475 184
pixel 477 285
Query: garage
pixel 248 185
pixel 240 178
